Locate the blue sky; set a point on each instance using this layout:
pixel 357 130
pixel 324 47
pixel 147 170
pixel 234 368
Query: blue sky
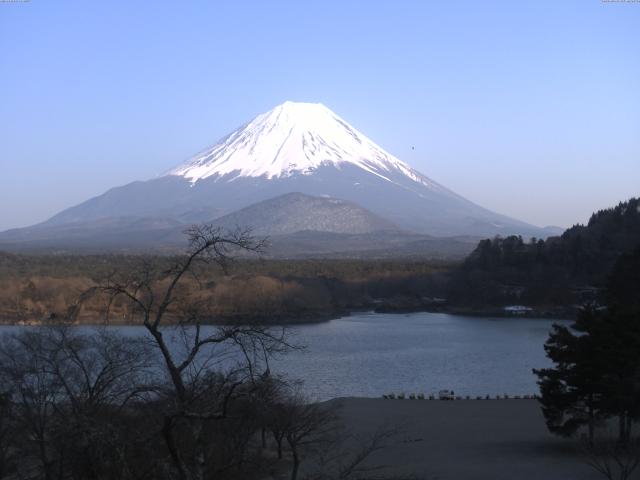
pixel 531 109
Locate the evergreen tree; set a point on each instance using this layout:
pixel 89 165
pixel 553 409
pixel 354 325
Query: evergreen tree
pixel 620 343
pixel 572 391
pixel 596 372
pixel 558 271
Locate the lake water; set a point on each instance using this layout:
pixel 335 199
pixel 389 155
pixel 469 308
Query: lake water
pixel 370 354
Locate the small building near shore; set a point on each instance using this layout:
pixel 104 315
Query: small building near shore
pixel 517 309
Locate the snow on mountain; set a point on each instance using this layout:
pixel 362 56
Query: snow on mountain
pixel 295 147
pixel 294 138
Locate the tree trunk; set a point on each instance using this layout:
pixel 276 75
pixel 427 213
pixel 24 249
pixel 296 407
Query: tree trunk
pixel 278 439
pixel 46 464
pixel 199 451
pixel 622 429
pixel 591 422
pixel 167 432
pixel 296 463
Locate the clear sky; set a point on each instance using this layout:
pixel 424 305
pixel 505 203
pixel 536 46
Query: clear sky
pixel 531 108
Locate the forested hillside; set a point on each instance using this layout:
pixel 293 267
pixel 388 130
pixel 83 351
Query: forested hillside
pixel 563 270
pixel 40 288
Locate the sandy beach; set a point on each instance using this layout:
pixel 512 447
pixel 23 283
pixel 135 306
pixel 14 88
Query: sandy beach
pixel 466 439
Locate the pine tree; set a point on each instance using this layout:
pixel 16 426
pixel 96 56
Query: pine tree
pixel 572 391
pixel 596 372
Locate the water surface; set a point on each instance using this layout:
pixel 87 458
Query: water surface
pixel 369 354
pixel 372 354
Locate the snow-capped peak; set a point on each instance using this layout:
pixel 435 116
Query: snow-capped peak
pixel 293 138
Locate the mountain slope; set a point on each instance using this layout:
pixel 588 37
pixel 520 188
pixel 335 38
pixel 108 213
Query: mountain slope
pixel 120 234
pixel 296 226
pixel 379 244
pixel 297 147
pixel 295 212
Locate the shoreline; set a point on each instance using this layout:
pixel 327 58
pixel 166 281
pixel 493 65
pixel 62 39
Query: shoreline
pixel 291 320
pixel 560 313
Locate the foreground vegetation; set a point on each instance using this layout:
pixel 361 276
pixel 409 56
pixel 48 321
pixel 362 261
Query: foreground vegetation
pixel 102 405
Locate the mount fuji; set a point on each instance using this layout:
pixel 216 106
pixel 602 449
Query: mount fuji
pixel 295 147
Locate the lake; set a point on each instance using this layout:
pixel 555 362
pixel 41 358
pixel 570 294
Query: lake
pixel 370 354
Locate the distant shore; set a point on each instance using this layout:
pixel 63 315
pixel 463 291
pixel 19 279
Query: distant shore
pixel 560 313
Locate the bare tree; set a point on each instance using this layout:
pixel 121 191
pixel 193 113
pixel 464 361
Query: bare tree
pixel 613 459
pixel 34 392
pixel 186 400
pixel 7 430
pixel 349 456
pixel 306 427
pixel 195 396
pixel 63 389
